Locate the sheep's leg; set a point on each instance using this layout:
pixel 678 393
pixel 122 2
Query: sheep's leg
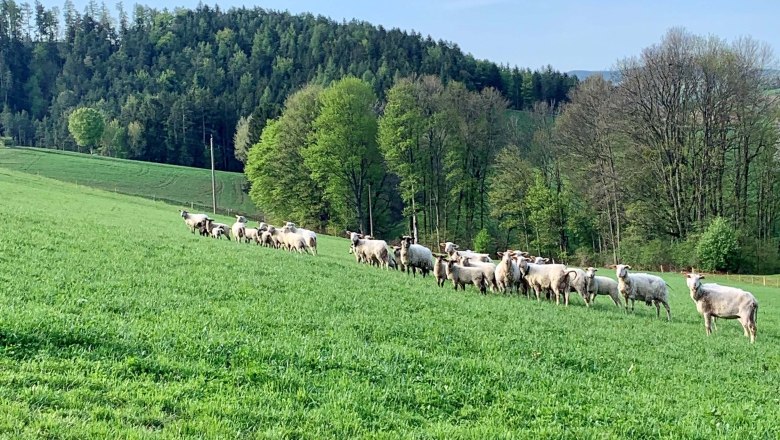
pixel 657 308
pixel 668 311
pixel 752 328
pixel 708 324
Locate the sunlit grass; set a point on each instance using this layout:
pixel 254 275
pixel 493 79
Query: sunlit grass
pixel 116 322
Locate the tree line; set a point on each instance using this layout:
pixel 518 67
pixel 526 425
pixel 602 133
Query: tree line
pixel 167 81
pixel 674 165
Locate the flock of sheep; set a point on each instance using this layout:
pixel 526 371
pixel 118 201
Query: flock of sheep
pixel 288 237
pixel 516 271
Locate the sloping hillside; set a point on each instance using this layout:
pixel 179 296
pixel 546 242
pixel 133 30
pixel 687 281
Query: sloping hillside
pixel 175 184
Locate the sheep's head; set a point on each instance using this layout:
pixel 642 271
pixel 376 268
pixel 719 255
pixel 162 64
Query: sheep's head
pixel 694 281
pixel 522 264
pixel 506 257
pixel 590 275
pixel 621 270
pixel 449 264
pixel 449 247
pixel 464 261
pixel 184 213
pixel 262 226
pixel 354 237
pixel 406 241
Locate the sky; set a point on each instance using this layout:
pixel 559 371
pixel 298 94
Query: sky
pixel 567 34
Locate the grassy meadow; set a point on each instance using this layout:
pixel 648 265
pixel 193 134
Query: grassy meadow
pixel 176 184
pixel 116 322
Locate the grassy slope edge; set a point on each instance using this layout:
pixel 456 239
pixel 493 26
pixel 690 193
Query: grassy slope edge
pixel 175 184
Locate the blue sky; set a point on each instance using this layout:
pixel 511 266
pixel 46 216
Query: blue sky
pixel 568 34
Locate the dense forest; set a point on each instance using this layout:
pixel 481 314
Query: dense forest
pixel 671 164
pixel 166 81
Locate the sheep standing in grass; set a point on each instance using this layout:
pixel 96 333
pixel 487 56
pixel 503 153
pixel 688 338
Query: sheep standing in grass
pixel 547 277
pixel 598 285
pixel 415 256
pixel 269 237
pixel 251 235
pixel 488 268
pixel 239 228
pixel 309 237
pixel 507 272
pixel 461 276
pixel 578 282
pixel 644 287
pixel 291 241
pixel 440 270
pixel 193 221
pixel 716 301
pixel 374 251
pixel 395 258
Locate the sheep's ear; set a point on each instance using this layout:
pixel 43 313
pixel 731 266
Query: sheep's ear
pixel 628 267
pixel 500 254
pixel 701 277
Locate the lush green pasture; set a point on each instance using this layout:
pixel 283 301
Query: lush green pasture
pixel 116 322
pixel 180 185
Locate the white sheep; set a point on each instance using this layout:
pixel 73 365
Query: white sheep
pixel 239 228
pixel 461 276
pixel 489 269
pixel 193 221
pixel 252 234
pixel 309 237
pixel 440 270
pixel 270 237
pixel 375 251
pixel 598 285
pixel 507 271
pixel 578 282
pixel 451 249
pixel 415 256
pixel 714 300
pixel 644 287
pixel 548 277
pixel 213 229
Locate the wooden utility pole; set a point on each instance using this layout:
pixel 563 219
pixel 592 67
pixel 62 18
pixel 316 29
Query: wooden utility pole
pixel 414 219
pixel 213 183
pixel 370 213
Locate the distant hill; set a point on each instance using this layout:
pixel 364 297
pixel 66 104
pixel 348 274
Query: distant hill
pixel 183 186
pixel 582 75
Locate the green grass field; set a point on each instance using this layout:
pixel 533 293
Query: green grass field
pixel 116 322
pixel 178 185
